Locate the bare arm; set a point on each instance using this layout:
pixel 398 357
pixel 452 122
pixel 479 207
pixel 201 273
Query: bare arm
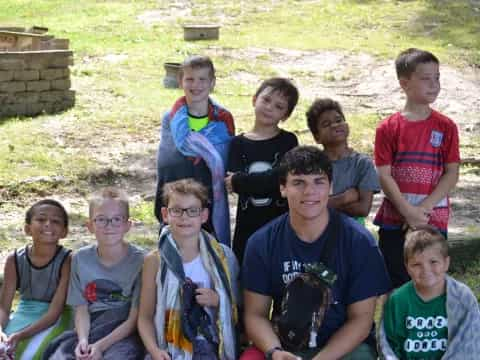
pixel 354 202
pixel 55 308
pixel 447 182
pixel 414 215
pixel 82 322
pixel 258 326
pixel 352 333
pixel 146 310
pixel 7 293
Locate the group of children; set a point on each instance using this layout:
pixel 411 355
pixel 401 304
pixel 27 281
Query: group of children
pixel 185 303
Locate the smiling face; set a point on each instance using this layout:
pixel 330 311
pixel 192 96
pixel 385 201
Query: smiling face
pixel 307 196
pixel 270 107
pixel 47 225
pixel 197 83
pixel 184 226
pixel 331 128
pixel 109 222
pixel 423 85
pixel 427 270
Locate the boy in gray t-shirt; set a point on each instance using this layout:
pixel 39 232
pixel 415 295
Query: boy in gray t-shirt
pixel 355 179
pixel 104 287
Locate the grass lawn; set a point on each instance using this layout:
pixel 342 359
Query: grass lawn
pixel 118 76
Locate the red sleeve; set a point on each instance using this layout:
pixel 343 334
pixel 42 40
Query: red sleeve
pixel 451 151
pixel 384 146
pixel 227 118
pixel 222 115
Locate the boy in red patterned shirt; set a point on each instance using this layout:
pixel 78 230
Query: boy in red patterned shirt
pixel 417 158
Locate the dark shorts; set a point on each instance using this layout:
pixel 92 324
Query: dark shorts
pixel 361 352
pixel 391 243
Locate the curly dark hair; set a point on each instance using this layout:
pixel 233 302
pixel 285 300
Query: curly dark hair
pixel 31 211
pixel 304 160
pixel 318 107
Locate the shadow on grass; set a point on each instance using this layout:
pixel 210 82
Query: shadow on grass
pixel 454 24
pixel 464 253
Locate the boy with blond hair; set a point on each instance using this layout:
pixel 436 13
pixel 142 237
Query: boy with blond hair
pixel 417 159
pixel 189 284
pixel 104 287
pixel 194 142
pixel 432 316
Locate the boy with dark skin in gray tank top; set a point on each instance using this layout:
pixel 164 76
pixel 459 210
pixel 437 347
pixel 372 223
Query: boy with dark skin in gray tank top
pixel 40 271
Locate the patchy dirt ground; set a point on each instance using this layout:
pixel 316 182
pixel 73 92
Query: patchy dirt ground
pixel 361 82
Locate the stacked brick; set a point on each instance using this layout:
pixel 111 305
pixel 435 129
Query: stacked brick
pixel 35 82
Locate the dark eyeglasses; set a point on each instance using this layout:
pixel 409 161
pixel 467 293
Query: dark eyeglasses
pixel 103 221
pixel 191 212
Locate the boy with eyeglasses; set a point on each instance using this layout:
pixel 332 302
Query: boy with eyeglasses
pixel 104 287
pixel 355 176
pixel 188 302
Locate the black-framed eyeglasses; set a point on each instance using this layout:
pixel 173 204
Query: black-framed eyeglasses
pixel 103 221
pixel 191 212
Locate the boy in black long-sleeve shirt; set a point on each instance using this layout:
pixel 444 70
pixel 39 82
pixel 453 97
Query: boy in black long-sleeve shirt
pixel 253 159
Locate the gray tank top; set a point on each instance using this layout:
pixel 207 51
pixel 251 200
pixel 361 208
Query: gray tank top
pixel 39 283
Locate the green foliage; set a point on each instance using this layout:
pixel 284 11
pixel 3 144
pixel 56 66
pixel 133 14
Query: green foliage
pixel 29 150
pixel 143 212
pixel 118 75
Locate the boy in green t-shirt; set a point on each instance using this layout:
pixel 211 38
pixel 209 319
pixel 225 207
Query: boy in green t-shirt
pixel 420 320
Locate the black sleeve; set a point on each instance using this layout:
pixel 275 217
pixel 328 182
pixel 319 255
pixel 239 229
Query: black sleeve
pixel 235 162
pixel 262 183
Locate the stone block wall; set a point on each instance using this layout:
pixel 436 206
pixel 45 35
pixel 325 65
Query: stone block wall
pixel 34 82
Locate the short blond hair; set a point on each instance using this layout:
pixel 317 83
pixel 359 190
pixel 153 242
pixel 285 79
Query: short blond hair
pixel 416 241
pixel 197 62
pixel 185 187
pixel 108 193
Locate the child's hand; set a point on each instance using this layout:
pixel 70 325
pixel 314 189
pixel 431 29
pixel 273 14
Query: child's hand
pixel 285 355
pixel 416 216
pixel 82 350
pixel 228 182
pixel 3 337
pixel 95 353
pixel 197 160
pixel 160 355
pixel 3 350
pixel 207 297
pixel 13 341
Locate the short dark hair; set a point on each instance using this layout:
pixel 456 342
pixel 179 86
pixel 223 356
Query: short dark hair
pixel 283 86
pixel 408 60
pixel 31 211
pixel 197 62
pixel 425 236
pixel 108 193
pixel 185 187
pixel 304 160
pixel 318 107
